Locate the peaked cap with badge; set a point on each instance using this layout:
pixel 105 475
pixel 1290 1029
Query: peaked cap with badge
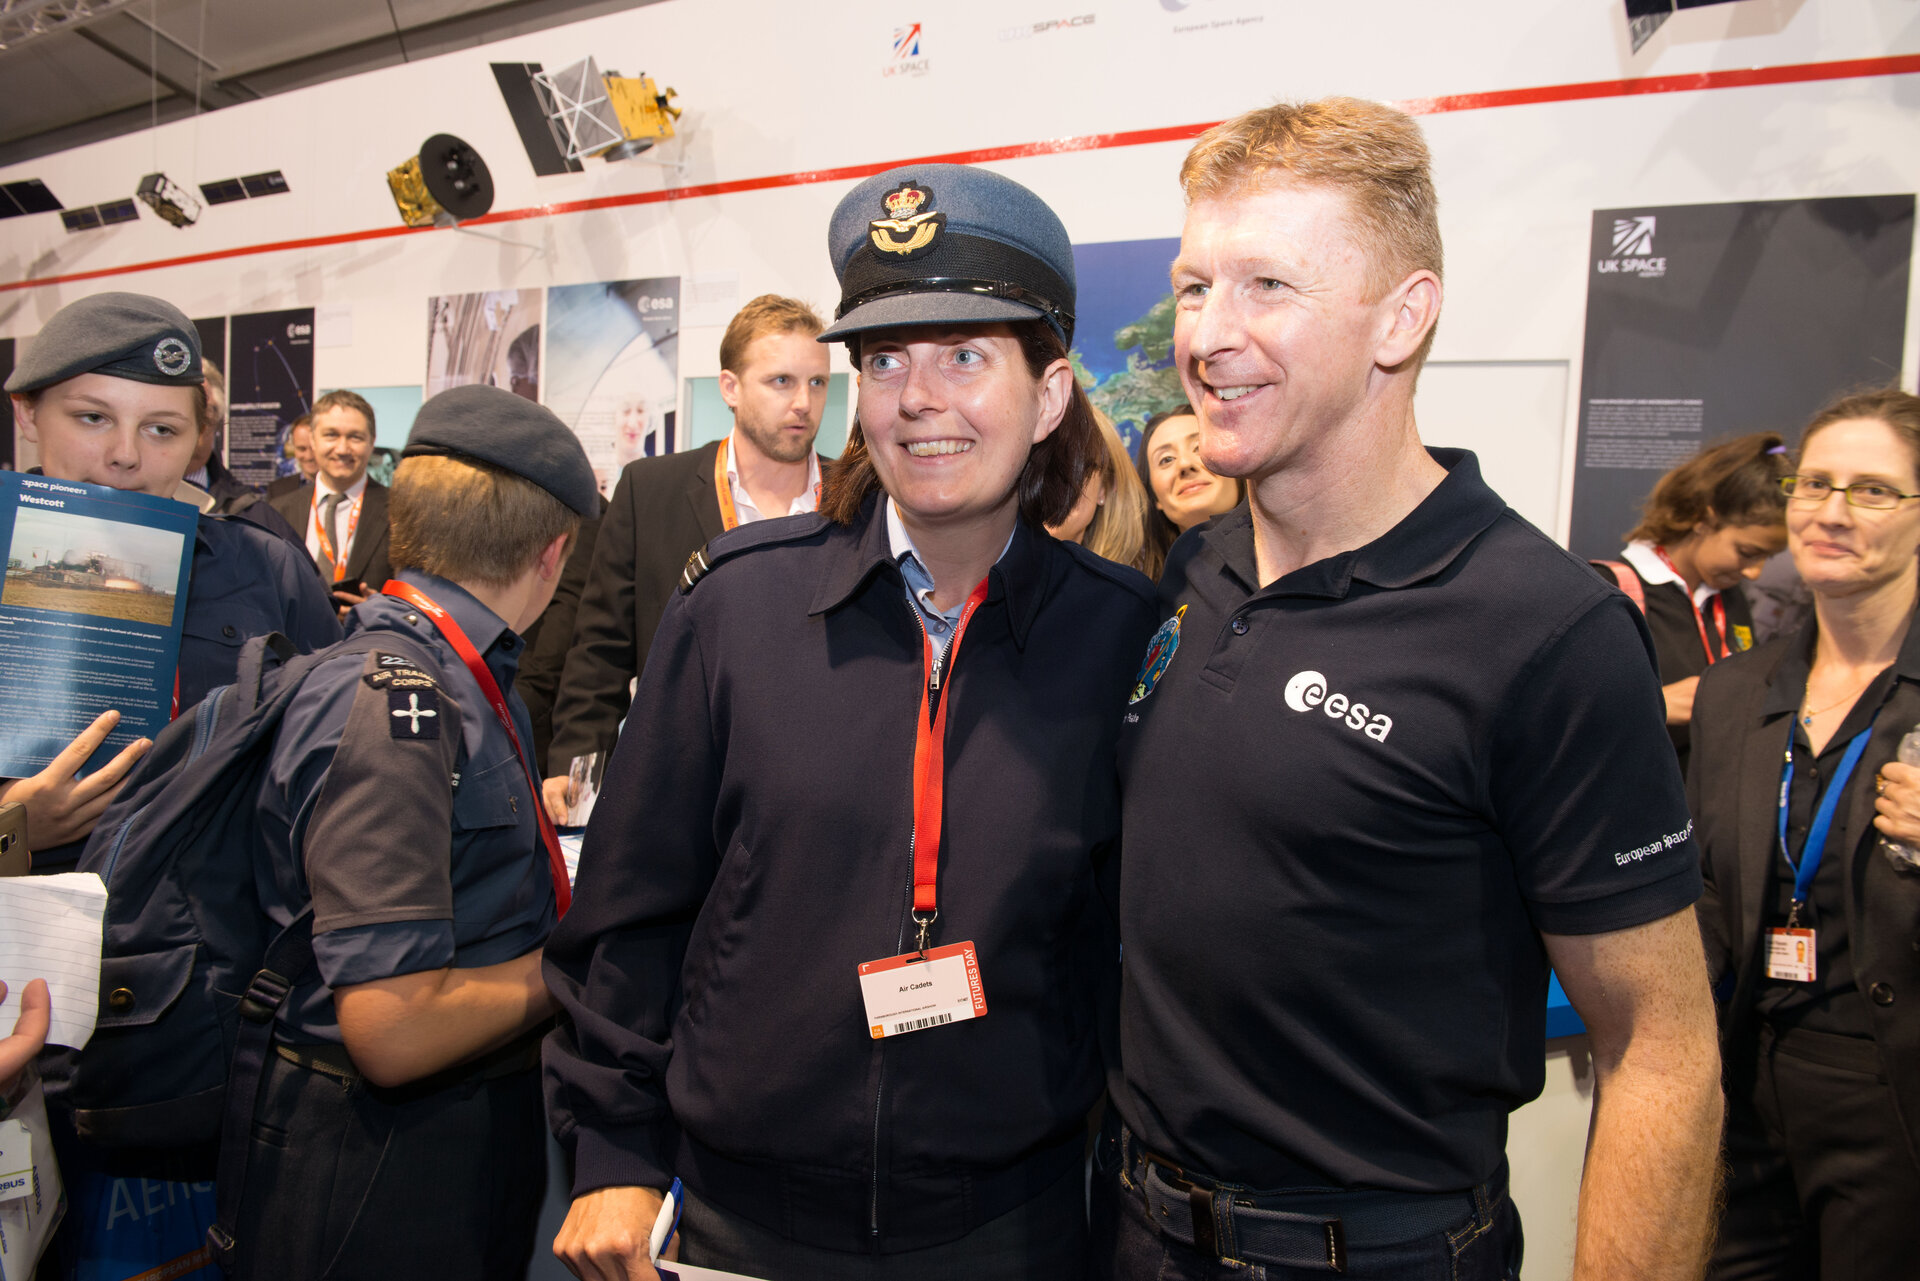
pixel 493 426
pixel 121 335
pixel 948 244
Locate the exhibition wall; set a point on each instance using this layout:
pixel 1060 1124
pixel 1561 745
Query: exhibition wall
pixel 1539 115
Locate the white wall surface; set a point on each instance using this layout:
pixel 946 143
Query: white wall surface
pixel 773 87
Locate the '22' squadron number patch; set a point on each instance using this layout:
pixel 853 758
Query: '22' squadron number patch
pixel 413 700
pixel 1159 653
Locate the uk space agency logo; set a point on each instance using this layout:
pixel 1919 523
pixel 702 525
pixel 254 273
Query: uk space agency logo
pixel 1307 691
pixel 907 59
pixel 1633 250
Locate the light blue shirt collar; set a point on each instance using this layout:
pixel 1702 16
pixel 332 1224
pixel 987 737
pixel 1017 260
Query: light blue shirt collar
pixel 939 623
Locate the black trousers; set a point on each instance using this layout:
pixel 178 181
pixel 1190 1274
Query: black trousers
pixel 1043 1240
pixel 1822 1182
pixel 348 1181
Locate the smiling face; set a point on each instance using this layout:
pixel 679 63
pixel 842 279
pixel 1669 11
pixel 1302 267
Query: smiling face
pixel 300 440
pixel 949 416
pixel 1278 336
pixel 342 444
pixel 1842 550
pixel 113 431
pixel 1183 489
pixel 779 393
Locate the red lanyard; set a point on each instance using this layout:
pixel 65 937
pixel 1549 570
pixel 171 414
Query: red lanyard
pixel 556 863
pixel 930 771
pixel 1719 611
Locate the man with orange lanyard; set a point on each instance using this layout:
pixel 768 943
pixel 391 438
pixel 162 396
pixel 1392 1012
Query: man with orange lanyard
pixel 343 511
pixel 773 376
pixel 401 809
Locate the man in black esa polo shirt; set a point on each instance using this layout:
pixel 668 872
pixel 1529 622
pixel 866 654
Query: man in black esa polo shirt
pixel 1392 754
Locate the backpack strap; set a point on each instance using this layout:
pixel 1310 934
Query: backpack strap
pixel 1628 581
pixel 288 958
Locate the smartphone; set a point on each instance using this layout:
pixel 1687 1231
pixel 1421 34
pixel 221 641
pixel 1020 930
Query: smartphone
pixel 15 857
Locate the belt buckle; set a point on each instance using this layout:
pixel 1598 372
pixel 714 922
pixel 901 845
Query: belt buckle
pixel 1206 1228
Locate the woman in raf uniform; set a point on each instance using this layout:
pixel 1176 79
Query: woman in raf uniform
pixel 113 392
pixel 1809 924
pixel 841 956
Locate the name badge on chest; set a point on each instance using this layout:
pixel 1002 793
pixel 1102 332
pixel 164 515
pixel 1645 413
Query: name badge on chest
pixel 909 993
pixel 1790 955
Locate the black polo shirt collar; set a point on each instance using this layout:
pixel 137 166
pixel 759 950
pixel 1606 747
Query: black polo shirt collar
pixel 853 556
pixel 1787 684
pixel 1424 543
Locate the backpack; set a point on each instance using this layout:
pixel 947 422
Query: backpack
pixel 192 971
pixel 1628 581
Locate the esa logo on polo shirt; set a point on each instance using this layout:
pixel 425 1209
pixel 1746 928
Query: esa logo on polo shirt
pixel 1308 690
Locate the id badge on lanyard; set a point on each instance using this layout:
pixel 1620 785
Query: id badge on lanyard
pixel 927 987
pixel 1791 950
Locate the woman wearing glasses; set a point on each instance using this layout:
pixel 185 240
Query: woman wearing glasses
pixel 1809 925
pixel 1710 523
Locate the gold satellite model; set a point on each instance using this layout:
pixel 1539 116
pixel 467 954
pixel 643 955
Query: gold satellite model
pixel 609 115
pixel 446 184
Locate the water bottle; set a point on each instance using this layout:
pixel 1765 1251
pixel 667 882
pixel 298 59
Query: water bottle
pixel 1904 857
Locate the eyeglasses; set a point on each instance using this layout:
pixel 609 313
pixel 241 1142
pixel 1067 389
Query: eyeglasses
pixel 1870 494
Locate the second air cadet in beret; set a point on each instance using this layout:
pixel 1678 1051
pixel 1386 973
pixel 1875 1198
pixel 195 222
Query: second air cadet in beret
pixel 401 808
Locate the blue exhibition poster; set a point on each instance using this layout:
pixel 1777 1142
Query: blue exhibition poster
pixel 90 614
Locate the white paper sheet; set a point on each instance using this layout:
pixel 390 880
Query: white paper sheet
pixel 688 1272
pixel 50 928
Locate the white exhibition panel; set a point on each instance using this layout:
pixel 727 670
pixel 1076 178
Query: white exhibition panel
pixel 775 88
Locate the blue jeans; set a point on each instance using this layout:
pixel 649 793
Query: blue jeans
pixel 1484 1245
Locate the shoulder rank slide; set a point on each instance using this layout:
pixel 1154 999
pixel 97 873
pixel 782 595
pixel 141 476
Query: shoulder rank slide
pixel 697 567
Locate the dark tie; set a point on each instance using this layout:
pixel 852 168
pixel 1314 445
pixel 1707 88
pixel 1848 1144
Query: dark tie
pixel 329 513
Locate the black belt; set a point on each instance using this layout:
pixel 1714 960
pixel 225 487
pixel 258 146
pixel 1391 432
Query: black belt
pixel 1310 1228
pixel 325 1057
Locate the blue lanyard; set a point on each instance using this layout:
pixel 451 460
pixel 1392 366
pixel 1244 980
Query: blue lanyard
pixel 1816 846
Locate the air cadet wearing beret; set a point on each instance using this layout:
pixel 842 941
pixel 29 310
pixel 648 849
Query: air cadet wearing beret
pixel 399 1130
pixel 858 1022
pixel 112 391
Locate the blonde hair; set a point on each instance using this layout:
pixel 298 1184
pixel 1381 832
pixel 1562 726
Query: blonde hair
pixel 767 314
pixel 1118 528
pixel 1372 153
pixel 469 521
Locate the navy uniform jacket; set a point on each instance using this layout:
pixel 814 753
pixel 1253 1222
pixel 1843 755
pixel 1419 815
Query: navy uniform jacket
pixel 245 583
pixel 750 848
pixel 395 805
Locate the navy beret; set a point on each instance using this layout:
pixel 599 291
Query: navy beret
pixel 948 244
pixel 120 335
pixel 491 425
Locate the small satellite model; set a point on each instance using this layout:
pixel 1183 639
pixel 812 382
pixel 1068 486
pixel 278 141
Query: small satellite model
pixel 168 199
pixel 446 184
pixel 613 116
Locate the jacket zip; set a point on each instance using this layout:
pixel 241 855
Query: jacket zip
pixel 900 943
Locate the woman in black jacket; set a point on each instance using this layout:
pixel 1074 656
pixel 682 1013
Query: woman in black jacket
pixel 841 952
pixel 1809 925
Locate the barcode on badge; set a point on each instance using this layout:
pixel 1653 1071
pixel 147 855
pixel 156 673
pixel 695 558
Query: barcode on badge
pixel 914 1025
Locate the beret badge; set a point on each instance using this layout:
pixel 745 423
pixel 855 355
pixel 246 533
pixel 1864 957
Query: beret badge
pixel 907 232
pixel 171 357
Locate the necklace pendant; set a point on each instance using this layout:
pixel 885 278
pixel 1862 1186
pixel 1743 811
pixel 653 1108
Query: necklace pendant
pixel 1806 720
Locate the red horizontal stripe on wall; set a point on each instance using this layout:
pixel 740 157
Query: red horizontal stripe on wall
pixel 1741 78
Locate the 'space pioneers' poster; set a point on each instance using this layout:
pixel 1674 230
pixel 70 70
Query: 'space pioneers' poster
pixel 613 363
pixel 1707 321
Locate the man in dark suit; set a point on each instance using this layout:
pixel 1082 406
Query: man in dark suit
pixel 300 447
pixel 773 376
pixel 343 512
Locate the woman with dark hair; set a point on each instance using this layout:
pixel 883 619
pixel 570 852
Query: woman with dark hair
pixel 1184 492
pixel 1808 920
pixel 1709 524
pixel 841 956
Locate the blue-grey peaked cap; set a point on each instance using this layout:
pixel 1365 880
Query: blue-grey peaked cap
pixel 946 244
